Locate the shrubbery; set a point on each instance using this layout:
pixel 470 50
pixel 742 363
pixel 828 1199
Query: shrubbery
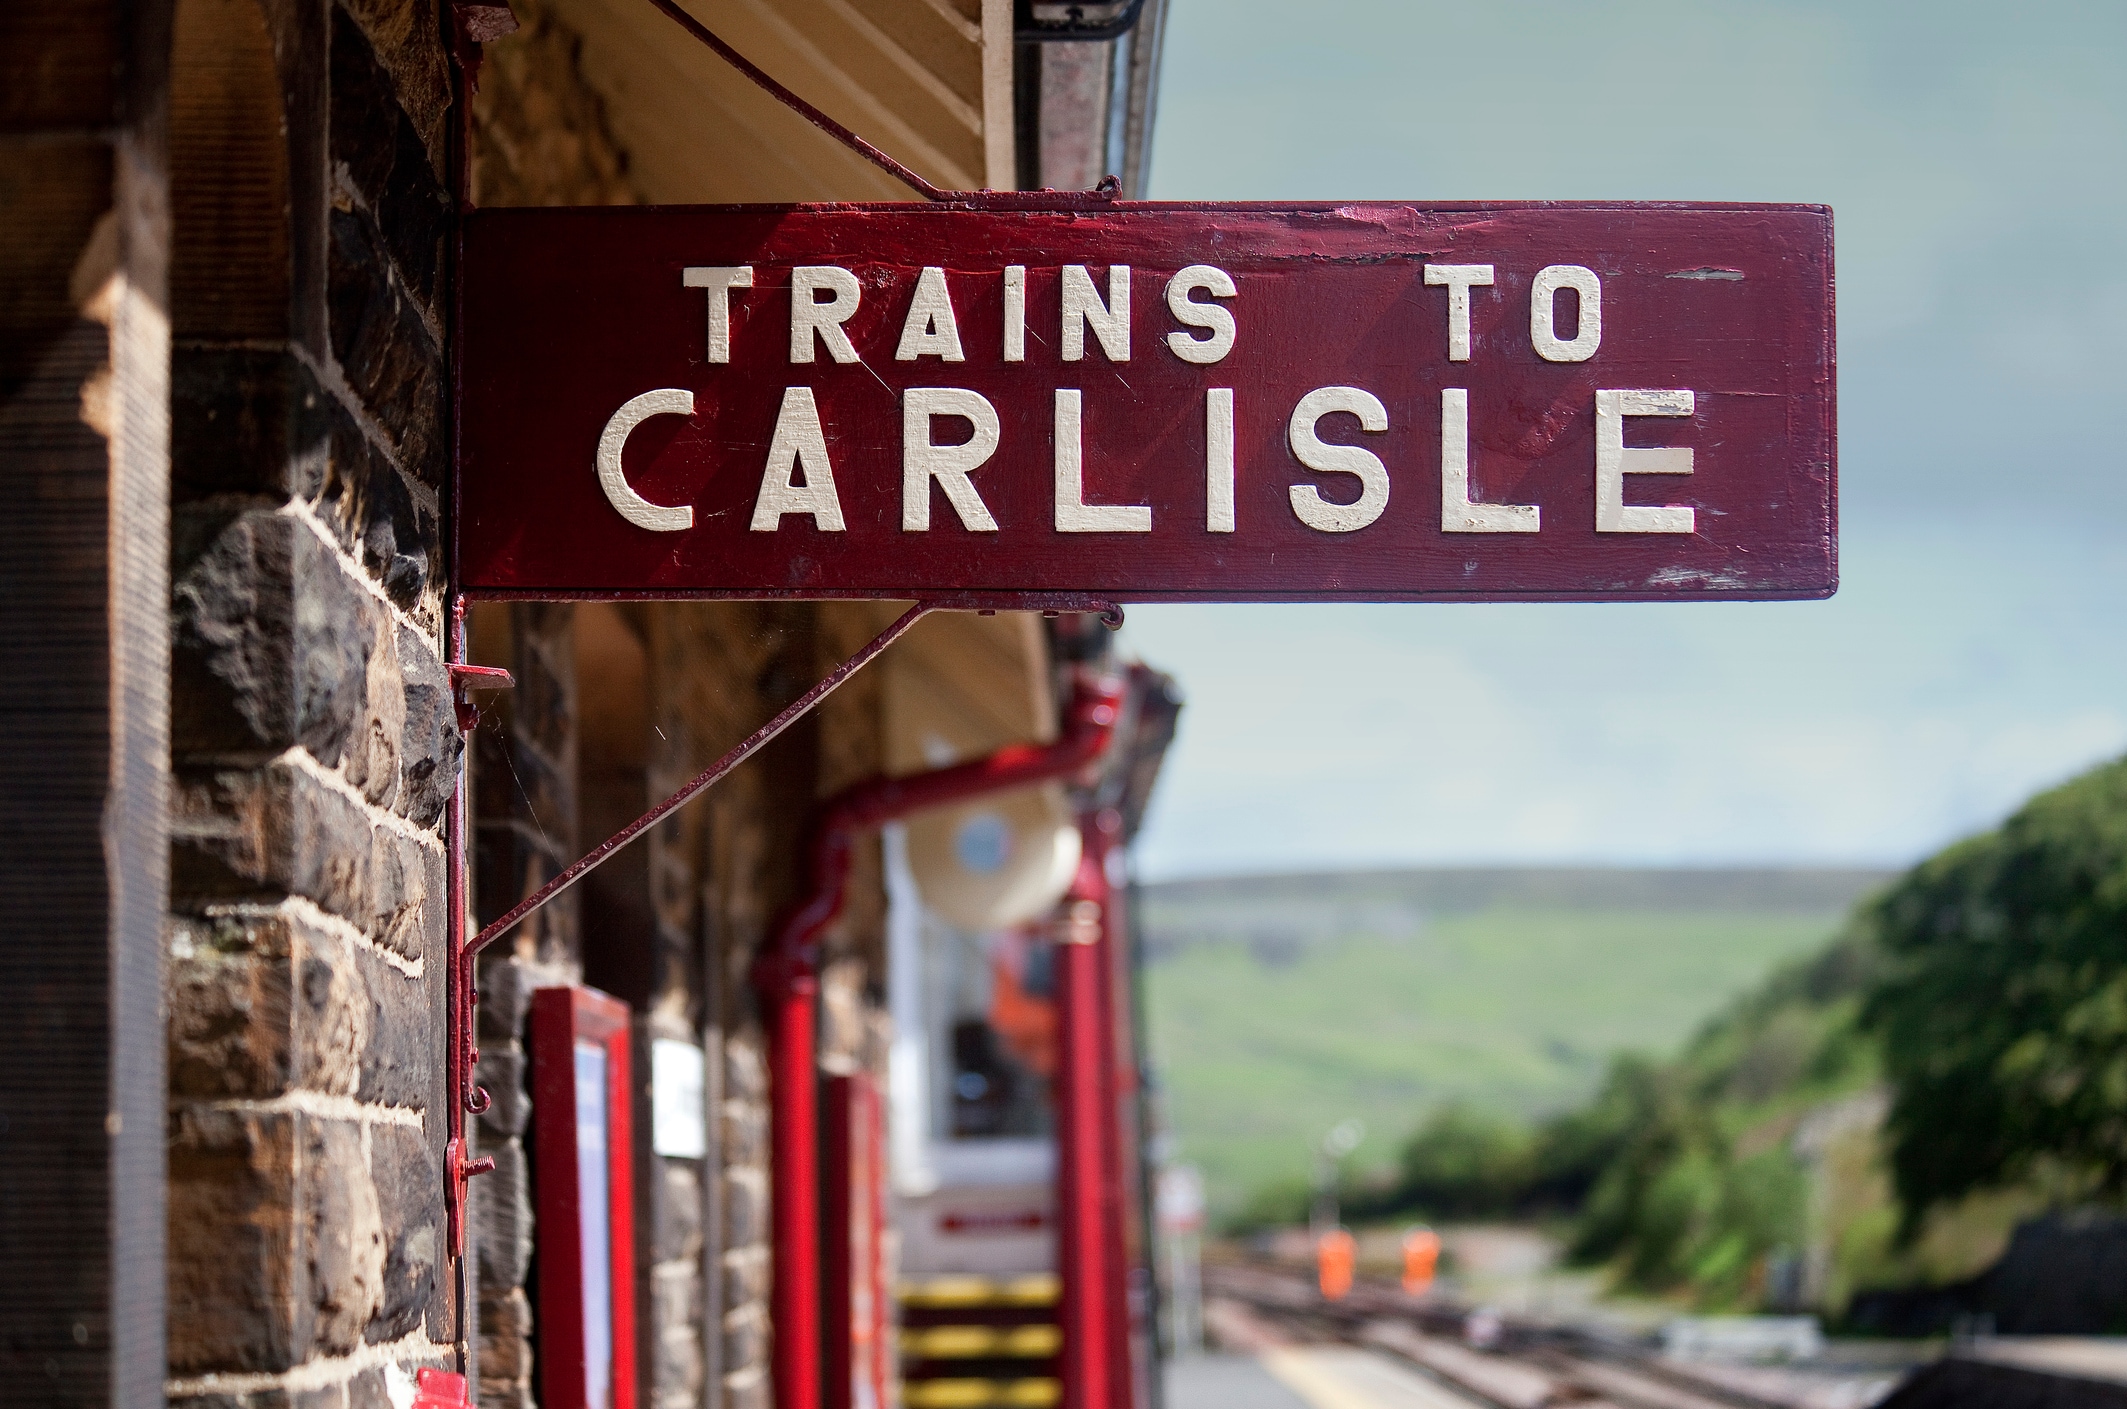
pixel 1987 988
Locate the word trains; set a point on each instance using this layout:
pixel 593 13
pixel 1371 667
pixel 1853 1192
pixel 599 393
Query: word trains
pixel 799 479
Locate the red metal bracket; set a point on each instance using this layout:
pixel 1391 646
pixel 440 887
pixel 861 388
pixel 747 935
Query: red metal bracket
pixel 467 678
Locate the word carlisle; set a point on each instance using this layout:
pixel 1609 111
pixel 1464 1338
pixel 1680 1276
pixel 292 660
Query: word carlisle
pixel 1150 402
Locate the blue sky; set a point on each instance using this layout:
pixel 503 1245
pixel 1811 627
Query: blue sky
pixel 1976 160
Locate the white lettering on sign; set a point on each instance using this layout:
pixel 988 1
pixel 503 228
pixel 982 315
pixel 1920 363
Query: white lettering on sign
pixel 1214 317
pixel 1614 460
pixel 810 316
pixel 798 446
pixel 930 330
pixel 1457 513
pixel 1082 309
pixel 798 476
pixel 1218 460
pixel 1073 513
pixel 658 518
pixel 719 281
pixel 923 461
pixel 1015 313
pixel 1323 458
pixel 1459 279
pixel 1543 310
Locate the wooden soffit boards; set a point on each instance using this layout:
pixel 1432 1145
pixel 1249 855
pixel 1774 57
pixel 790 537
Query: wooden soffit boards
pixel 927 81
pixel 959 686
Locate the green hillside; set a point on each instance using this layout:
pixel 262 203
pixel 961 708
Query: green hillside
pixel 1280 1005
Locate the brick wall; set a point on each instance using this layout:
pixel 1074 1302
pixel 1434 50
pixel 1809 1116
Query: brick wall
pixel 312 745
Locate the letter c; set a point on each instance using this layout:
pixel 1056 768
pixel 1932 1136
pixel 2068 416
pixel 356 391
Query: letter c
pixel 658 518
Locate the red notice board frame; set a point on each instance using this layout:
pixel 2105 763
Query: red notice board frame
pixel 564 1019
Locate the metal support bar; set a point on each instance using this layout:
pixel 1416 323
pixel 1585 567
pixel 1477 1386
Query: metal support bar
pixel 459 997
pixel 752 744
pixel 799 106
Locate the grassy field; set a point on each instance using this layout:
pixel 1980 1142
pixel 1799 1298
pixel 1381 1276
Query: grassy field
pixel 1281 1005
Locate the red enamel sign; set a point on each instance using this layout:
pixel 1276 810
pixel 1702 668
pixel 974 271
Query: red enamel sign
pixel 1150 402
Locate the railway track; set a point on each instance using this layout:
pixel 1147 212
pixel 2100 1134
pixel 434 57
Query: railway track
pixel 1526 1366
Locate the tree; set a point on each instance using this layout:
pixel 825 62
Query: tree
pixel 2003 1006
pixel 1466 1163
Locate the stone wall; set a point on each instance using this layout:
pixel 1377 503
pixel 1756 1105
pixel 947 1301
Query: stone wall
pixel 313 747
pixel 523 778
pixel 674 930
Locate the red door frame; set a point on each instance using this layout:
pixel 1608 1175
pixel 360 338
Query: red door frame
pixel 562 1018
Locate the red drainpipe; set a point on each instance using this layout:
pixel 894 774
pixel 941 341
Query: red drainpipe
pixel 787 978
pixel 1089 1252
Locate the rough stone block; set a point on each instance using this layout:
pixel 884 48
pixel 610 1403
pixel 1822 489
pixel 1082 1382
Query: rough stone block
pixel 501 1210
pixel 410 1200
pixel 245 420
pixel 746 1278
pixel 376 517
pixel 407 40
pixel 747 1389
pixel 271 643
pixel 230 1020
pixel 676 1307
pixel 430 744
pixel 372 758
pixel 678 1231
pixel 676 1297
pixel 742 1132
pixel 386 157
pixel 745 1344
pixel 260 1005
pixel 382 343
pixel 505 1343
pixel 368 1390
pixel 276 1248
pixel 745 1207
pixel 402 1062
pixel 502 1073
pixel 280 830
pixel 745 1074
pixel 506 987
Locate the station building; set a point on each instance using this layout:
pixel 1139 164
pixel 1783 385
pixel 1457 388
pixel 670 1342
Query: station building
pixel 233 736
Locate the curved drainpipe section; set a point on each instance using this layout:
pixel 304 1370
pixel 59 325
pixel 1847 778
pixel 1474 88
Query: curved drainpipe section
pixel 787 979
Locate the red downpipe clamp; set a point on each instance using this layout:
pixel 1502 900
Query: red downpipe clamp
pixel 786 976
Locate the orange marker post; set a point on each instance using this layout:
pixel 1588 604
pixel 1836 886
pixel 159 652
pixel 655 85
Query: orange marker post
pixel 1336 1255
pixel 1421 1255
